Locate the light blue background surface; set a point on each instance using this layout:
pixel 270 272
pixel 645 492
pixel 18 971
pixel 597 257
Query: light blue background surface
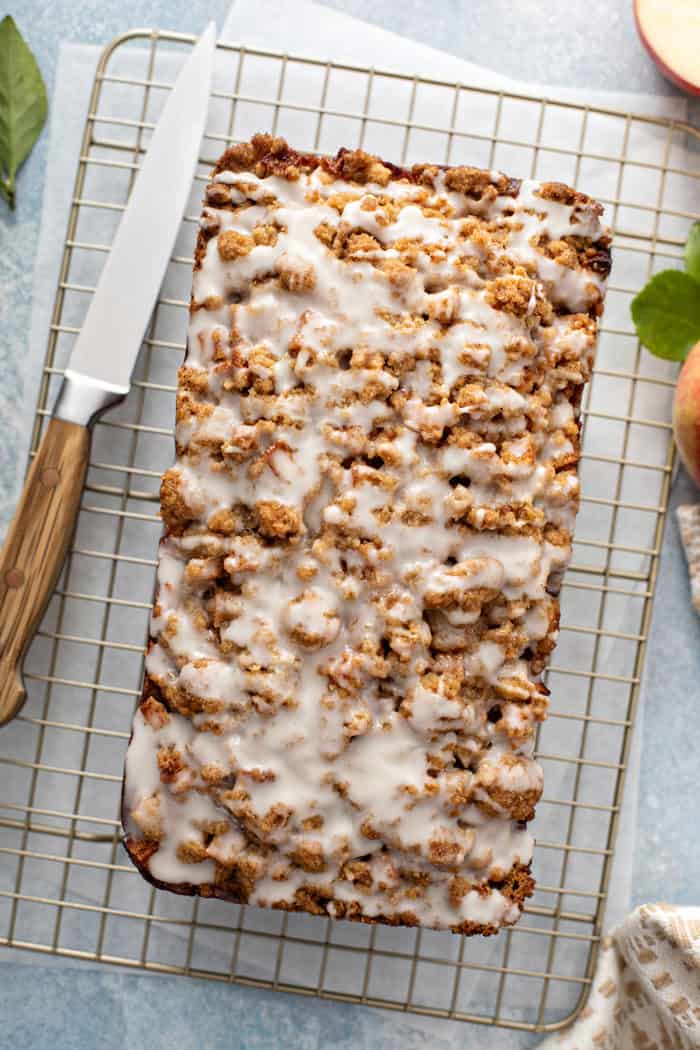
pixel 558 41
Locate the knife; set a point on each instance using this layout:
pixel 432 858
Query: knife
pixel 100 367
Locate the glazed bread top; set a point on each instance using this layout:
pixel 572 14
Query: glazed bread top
pixel 366 527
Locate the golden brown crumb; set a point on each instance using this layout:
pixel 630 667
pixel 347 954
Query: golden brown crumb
pixel 170 763
pixel 458 888
pixel 231 244
pixel 276 817
pixel 194 379
pixel 212 774
pixel 358 872
pixel 218 194
pixel 191 852
pixel 308 854
pixel 514 295
pixel 359 243
pixel 519 804
pixel 141 849
pixel 325 233
pixel 174 510
pixel 358 166
pixel 558 191
pixel 399 275
pixel 155 713
pixel 223 521
pixel 471 181
pixel 240 157
pixel 295 275
pixel 277 520
pixel 266 234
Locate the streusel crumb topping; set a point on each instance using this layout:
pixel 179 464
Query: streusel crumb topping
pixel 366 527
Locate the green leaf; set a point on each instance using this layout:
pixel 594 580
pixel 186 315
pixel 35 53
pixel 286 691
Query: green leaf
pixel 666 314
pixel 23 104
pixel 692 251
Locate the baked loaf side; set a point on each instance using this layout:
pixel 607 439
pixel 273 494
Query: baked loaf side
pixel 366 527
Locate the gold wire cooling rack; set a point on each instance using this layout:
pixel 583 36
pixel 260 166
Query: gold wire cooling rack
pixel 66 886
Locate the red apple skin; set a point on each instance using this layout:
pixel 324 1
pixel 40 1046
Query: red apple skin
pixel 686 414
pixel 670 74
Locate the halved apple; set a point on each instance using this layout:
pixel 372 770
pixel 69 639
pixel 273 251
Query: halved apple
pixel 686 413
pixel 670 31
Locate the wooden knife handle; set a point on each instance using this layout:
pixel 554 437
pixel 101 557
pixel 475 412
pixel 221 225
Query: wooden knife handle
pixel 35 547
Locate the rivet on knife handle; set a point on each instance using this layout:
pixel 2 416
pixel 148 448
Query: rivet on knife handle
pixel 35 547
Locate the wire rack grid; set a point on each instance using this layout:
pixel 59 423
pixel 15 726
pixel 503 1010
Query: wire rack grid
pixel 66 886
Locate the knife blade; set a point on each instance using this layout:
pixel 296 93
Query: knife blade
pixel 100 366
pixel 106 349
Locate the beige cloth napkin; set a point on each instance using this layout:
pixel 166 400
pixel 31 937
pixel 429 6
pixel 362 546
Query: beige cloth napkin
pixel 646 990
pixel 689 524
